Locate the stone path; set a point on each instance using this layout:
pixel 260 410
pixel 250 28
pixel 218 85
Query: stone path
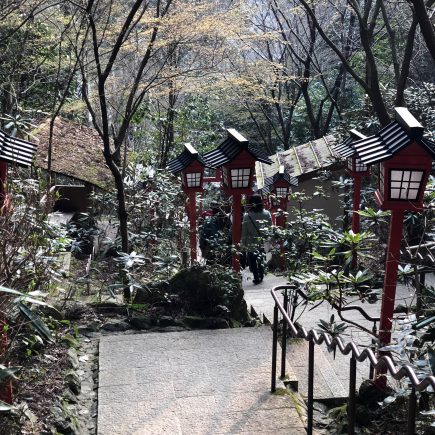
pixel 191 382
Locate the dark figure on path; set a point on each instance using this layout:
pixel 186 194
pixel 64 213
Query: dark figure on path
pixel 255 221
pixel 215 238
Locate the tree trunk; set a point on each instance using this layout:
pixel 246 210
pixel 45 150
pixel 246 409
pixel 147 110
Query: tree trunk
pixel 426 27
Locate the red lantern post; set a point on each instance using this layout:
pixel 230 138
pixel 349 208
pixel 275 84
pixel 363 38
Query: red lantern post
pixel 236 158
pixel 279 185
pixel 3 181
pixel 357 170
pixel 402 180
pixel 237 177
pixel 191 166
pixel 405 163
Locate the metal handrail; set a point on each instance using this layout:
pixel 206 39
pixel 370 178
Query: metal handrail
pixel 314 337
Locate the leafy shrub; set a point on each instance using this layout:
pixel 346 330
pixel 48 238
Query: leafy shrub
pixel 210 291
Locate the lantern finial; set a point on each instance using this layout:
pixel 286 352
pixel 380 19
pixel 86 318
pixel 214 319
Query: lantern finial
pixel 404 117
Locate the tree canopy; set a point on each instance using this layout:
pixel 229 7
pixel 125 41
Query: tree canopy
pixel 149 76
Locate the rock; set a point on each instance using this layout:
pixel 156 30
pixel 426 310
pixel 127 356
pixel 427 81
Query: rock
pixel 74 310
pixel 250 323
pixel 73 358
pixel 109 308
pixel 153 292
pixel 116 326
pixel 53 312
pixel 170 329
pixel 164 321
pixel 195 322
pixel 234 323
pixel 370 395
pixel 62 422
pixel 89 327
pixel 73 381
pixel 144 322
pixel 206 291
pixel 429 431
pixel 69 396
pixel 362 415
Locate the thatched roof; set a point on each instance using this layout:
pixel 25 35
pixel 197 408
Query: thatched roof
pixel 77 152
pixel 302 162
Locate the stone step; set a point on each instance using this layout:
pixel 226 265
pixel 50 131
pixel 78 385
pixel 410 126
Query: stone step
pixel 327 384
pixel 192 382
pixel 330 374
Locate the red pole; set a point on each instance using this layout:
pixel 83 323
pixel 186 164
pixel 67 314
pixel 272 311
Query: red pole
pixel 237 228
pixel 281 218
pixel 5 387
pixel 390 281
pixel 355 214
pixel 3 181
pixel 356 203
pixel 273 213
pixel 281 221
pixel 192 220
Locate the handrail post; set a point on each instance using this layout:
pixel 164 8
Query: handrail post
pixel 352 397
pixel 294 303
pixel 284 338
pixel 371 368
pixel 274 348
pixel 310 386
pixel 412 406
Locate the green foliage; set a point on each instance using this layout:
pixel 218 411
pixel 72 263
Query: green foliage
pixel 30 62
pixel 420 98
pixel 36 322
pixel 332 327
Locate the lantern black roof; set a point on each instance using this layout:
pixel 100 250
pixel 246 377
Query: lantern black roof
pixel 280 175
pixel 14 150
pixel 231 147
pixel 188 156
pixel 346 148
pixel 393 138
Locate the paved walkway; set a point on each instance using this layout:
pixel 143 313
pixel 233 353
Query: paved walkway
pixel 191 382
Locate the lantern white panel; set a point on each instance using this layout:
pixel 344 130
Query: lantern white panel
pixel 360 166
pixel 193 179
pixel 240 177
pixel 405 184
pixel 281 191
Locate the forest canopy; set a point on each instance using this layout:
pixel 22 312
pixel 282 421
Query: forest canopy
pixel 176 71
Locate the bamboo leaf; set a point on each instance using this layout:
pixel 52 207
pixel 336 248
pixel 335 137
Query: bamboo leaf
pixel 4 407
pixel 7 372
pixel 424 322
pixel 38 324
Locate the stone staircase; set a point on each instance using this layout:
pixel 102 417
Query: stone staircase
pixel 330 373
pixel 198 382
